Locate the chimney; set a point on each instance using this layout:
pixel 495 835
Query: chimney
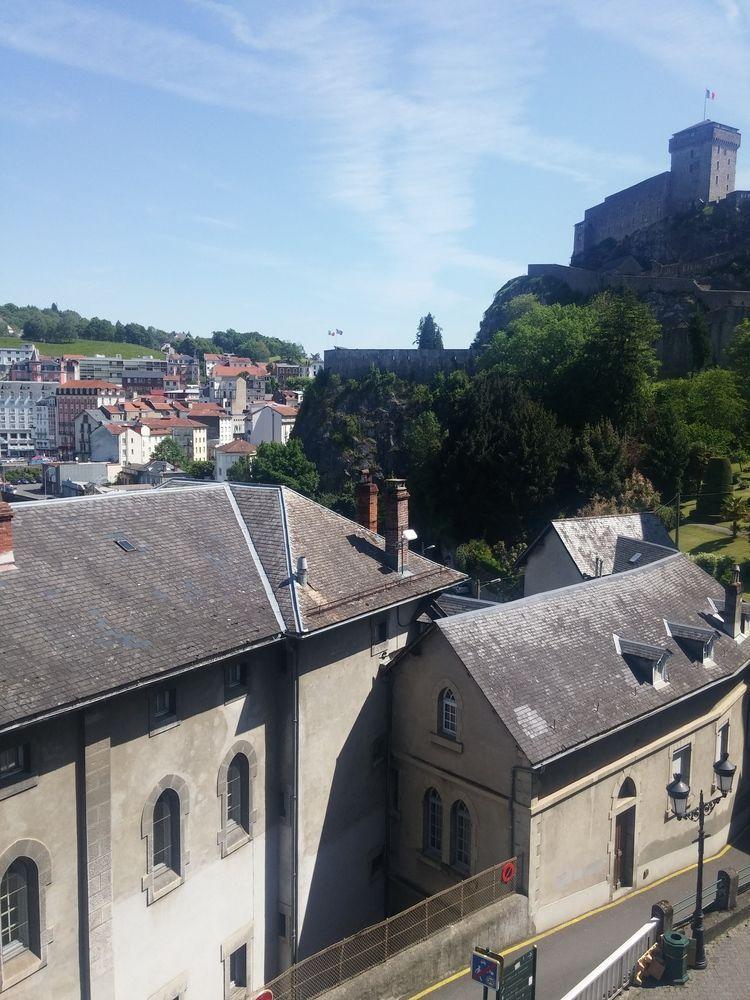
pixel 396 523
pixel 367 502
pixel 733 605
pixel 302 571
pixel 7 560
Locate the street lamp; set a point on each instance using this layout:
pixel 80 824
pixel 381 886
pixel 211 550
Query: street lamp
pixel 678 792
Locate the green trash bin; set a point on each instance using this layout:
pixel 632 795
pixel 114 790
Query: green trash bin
pixel 675 950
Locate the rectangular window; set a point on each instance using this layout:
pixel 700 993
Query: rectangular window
pixel 238 968
pixel 722 741
pixel 681 763
pixel 235 680
pixel 282 925
pixel 165 703
pixel 12 761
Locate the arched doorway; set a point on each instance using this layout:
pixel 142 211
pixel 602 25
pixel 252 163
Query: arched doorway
pixel 622 877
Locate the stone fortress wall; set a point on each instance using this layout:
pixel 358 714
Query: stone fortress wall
pixel 411 363
pixel 703 165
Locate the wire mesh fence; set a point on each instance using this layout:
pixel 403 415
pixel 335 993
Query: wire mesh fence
pixel 354 955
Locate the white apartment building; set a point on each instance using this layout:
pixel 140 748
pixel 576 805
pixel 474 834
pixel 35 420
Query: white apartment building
pixel 272 423
pixel 13 355
pixel 18 414
pixel 45 431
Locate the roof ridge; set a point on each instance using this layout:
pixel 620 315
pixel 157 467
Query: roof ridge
pixel 601 517
pixel 23 505
pixel 610 578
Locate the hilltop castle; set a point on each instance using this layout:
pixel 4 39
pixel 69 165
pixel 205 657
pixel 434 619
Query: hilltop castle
pixel 704 159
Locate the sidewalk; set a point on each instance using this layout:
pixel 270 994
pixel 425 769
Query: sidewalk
pixel 568 952
pixel 726 976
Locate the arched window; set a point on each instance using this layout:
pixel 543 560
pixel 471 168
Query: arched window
pixel 432 833
pixel 460 836
pixel 238 793
pixel 167 832
pixel 627 789
pixel 448 714
pixel 19 908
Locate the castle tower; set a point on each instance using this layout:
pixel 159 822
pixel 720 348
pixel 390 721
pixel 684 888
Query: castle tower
pixel 704 158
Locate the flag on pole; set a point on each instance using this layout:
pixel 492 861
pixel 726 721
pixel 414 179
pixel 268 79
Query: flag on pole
pixel 710 95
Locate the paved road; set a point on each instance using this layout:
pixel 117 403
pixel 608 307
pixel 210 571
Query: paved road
pixel 566 955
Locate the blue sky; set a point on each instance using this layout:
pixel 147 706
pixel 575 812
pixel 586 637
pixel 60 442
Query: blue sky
pixel 293 167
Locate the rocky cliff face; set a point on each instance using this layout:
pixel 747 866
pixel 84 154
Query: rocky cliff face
pixel 694 263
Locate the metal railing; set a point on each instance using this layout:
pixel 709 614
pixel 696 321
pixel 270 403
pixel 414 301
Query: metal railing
pixel 614 974
pixel 683 908
pixel 346 959
pixel 743 878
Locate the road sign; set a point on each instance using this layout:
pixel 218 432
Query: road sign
pixel 486 968
pixel 519 978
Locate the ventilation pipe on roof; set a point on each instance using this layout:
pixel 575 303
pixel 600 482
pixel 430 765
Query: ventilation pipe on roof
pixel 7 559
pixel 302 571
pixel 733 605
pixel 367 502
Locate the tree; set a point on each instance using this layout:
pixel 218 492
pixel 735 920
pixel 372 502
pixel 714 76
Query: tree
pixel 666 454
pixel 429 334
pixel 200 469
pixel 618 361
pixel 601 460
pixel 169 450
pixel 699 335
pixel 738 355
pixel 716 487
pixel 638 494
pixel 502 458
pixel 283 464
pixel 495 563
pixel 734 509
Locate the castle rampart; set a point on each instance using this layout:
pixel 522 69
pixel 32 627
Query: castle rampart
pixel 417 364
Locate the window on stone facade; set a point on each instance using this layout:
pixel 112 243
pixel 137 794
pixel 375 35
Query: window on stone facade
pixel 432 833
pixel 19 907
pixel 448 714
pixel 238 968
pixel 460 836
pixel 681 763
pixel 238 793
pixel 12 762
pixel 167 832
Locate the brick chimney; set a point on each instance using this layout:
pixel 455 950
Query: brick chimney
pixel 733 605
pixel 367 502
pixel 396 523
pixel 7 560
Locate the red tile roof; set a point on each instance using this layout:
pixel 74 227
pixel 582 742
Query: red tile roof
pixel 238 447
pixel 232 371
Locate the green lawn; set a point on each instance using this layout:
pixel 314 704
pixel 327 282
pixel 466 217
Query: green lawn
pixel 88 347
pixel 695 538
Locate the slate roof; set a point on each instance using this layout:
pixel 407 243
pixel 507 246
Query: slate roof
pixel 632 552
pixel 586 538
pixel 81 618
pixel 549 667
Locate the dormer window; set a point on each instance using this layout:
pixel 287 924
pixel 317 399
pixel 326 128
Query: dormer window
pixel 696 642
pixel 647 661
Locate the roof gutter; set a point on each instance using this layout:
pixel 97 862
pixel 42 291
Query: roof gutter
pixel 540 765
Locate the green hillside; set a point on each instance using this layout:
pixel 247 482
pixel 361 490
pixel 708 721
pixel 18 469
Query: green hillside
pixel 88 347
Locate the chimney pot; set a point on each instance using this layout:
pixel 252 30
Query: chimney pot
pixel 396 523
pixel 7 559
pixel 733 605
pixel 302 571
pixel 367 502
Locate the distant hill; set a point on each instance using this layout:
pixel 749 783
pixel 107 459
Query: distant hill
pixel 63 328
pixel 87 347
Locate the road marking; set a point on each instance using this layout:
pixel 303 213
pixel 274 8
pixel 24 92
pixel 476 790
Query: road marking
pixel 575 920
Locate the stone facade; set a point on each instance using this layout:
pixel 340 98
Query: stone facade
pixel 703 163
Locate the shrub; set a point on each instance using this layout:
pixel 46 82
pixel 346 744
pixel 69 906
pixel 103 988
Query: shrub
pixel 715 488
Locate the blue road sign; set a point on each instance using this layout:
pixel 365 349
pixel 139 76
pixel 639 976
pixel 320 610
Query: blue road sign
pixel 486 969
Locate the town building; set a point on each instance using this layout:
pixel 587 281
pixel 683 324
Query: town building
pixel 41 369
pixel 45 428
pixel 73 397
pixel 18 416
pixel 271 423
pixel 15 355
pixel 226 455
pixel 703 166
pixel 190 435
pixel 549 727
pixel 193 731
pixel 573 549
pixel 234 386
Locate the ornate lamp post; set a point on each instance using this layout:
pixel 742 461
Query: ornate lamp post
pixel 678 791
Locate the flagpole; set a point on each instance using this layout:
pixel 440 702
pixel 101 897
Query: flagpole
pixel 705 102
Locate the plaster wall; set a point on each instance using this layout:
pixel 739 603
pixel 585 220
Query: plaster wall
pixel 549 566
pixel 477 768
pixel 181 933
pixel 342 740
pixel 564 883
pixel 46 813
